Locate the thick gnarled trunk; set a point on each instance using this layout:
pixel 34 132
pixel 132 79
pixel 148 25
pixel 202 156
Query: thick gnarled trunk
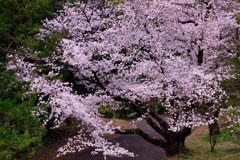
pixel 173 143
pixel 176 142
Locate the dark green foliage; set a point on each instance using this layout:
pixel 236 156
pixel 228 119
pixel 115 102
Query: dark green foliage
pixel 20 132
pixel 20 21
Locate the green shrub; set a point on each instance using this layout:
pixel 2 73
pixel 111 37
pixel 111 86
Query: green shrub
pixel 20 132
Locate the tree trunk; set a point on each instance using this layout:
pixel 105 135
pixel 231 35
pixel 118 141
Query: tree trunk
pixel 214 129
pixel 176 142
pixel 173 144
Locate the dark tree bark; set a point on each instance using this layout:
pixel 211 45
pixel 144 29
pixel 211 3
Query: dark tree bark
pixel 214 129
pixel 173 144
pixel 70 121
pixel 176 142
pixel 200 56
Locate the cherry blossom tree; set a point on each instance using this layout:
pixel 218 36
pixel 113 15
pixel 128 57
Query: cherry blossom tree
pixel 138 52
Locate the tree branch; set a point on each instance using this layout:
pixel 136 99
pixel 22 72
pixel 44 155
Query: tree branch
pixel 154 141
pixel 99 83
pixel 9 45
pixel 21 54
pixel 189 21
pixel 136 108
pixel 144 135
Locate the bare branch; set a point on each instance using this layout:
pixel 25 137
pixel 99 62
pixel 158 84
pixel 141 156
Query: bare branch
pixel 21 54
pixel 144 135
